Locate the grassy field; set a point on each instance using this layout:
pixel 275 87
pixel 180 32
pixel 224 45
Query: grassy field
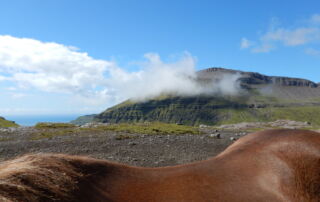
pixel 50 130
pixel 152 128
pixel 51 133
pixel 306 113
pixel 44 125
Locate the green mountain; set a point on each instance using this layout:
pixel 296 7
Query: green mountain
pixel 6 123
pixel 81 120
pixel 259 98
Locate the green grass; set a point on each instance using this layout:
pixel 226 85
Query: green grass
pixel 4 139
pixel 213 114
pixel 50 130
pixel 305 113
pixel 51 133
pixel 44 125
pixel 125 136
pixel 213 110
pixel 5 123
pixel 123 104
pixel 154 128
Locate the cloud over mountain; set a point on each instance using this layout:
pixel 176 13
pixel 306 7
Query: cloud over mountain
pixel 29 64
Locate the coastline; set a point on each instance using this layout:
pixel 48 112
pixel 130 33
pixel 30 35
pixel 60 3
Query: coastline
pixel 31 120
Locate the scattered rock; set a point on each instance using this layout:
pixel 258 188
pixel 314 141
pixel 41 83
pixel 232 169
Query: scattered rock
pixel 149 150
pixel 132 143
pixel 94 125
pixel 215 135
pixel 203 126
pixel 264 125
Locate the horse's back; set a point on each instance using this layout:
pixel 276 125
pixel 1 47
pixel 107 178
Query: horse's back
pixel 285 162
pixel 272 165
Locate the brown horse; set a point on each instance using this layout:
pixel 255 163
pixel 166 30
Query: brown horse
pixel 272 165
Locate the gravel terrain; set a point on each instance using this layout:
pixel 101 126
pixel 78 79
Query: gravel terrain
pixel 133 149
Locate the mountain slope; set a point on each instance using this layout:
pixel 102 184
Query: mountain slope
pixel 6 123
pixel 260 98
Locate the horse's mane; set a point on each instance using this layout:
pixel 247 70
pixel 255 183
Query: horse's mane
pixel 49 177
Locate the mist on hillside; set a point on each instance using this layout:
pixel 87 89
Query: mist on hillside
pixel 159 78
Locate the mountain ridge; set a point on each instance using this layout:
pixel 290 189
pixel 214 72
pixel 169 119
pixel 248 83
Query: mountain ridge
pixel 255 77
pixel 261 98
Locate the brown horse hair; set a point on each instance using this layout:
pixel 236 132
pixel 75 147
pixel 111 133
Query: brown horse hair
pixel 50 177
pixel 306 174
pixel 271 165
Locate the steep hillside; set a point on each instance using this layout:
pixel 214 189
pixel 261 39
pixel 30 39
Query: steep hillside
pixel 83 119
pixel 260 98
pixel 6 123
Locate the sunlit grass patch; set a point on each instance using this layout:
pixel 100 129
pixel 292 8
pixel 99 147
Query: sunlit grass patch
pixel 124 137
pixel 5 123
pixel 153 128
pixel 51 133
pixel 4 139
pixel 301 113
pixel 46 125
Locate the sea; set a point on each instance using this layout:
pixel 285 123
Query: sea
pixel 31 120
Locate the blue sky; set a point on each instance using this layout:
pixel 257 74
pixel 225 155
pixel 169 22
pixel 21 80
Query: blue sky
pixel 80 57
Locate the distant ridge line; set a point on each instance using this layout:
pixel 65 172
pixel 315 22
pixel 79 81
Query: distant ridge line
pixel 257 78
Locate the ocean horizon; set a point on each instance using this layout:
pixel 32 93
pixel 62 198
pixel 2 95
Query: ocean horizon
pixel 31 120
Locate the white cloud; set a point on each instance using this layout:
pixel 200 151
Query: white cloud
pixel 309 33
pixel 245 43
pixel 10 89
pixel 264 48
pixel 156 78
pixel 295 37
pixel 18 95
pixel 30 64
pixel 312 51
pixel 49 67
pixel 315 19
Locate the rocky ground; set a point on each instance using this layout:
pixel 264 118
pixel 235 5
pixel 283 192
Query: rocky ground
pixel 133 149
